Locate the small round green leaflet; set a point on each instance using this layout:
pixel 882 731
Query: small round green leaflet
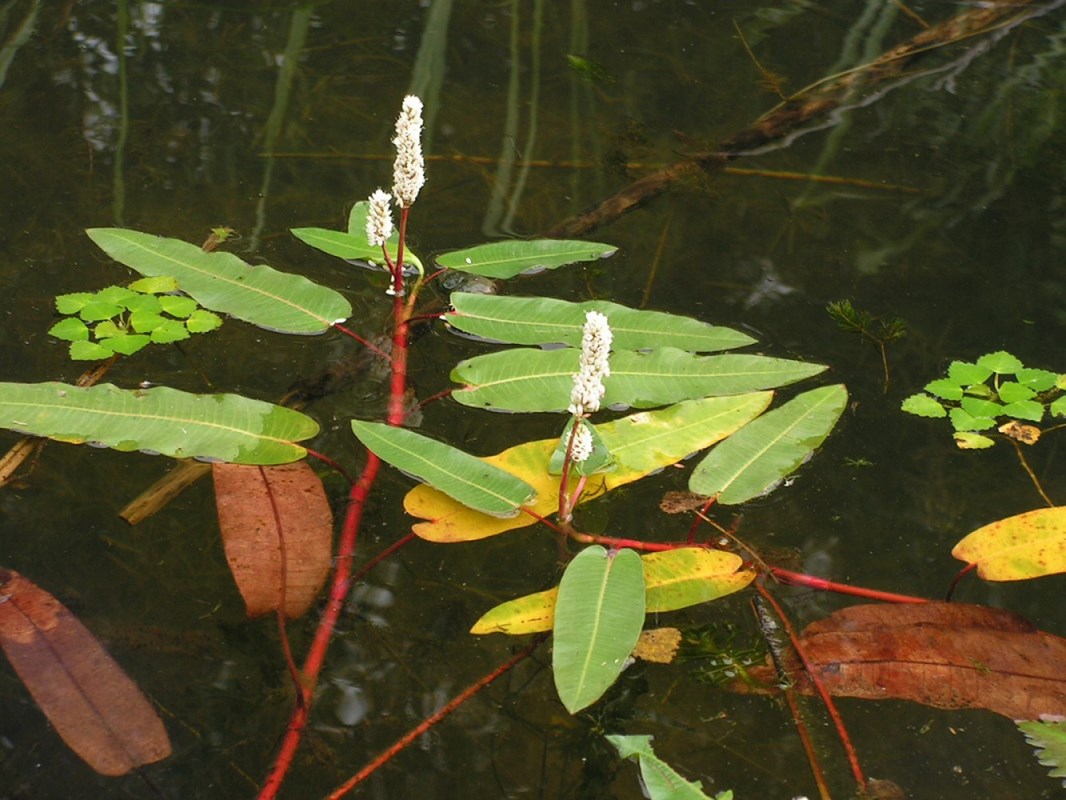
pixel 1049 739
pixel 598 616
pixel 1029 545
pixel 1000 362
pixel 508 259
pixel 923 405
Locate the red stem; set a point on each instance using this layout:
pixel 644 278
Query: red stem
pixel 811 582
pixel 341 583
pixel 827 700
pixel 431 720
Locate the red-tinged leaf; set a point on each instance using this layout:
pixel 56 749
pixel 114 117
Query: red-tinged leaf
pixel 251 503
pixel 93 705
pixel 946 655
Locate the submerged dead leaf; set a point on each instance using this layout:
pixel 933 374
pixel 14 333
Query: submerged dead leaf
pixel 251 503
pixel 945 655
pixel 658 645
pixel 93 705
pixel 675 502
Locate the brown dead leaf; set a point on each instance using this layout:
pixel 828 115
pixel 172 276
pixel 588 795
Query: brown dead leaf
pixel 93 705
pixel 658 645
pixel 681 502
pixel 247 498
pixel 946 655
pixel 1026 434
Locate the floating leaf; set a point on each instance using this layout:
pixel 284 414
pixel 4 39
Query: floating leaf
pixel 688 576
pixel 946 655
pixel 640 443
pixel 660 780
pixel 1058 408
pixel 979 407
pixel 1013 392
pixel 155 285
pixel 1024 409
pixel 220 281
pixel 252 502
pixel 201 321
pixel 352 245
pixel 92 704
pixel 541 380
pixel 972 441
pixel 89 351
pixel 226 427
pixel 673 579
pixel 72 303
pixel 964 373
pixel 759 455
pixel 1029 545
pixel 923 406
pixel 170 331
pixel 598 616
pixel 126 344
pixel 1000 362
pixel 531 613
pixel 177 306
pixel 944 389
pixel 1039 380
pixel 1026 434
pixel 963 420
pixel 541 320
pixel 465 478
pixel 511 258
pixel 70 330
pixel 1049 739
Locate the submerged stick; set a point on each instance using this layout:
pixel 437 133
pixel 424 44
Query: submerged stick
pixel 815 101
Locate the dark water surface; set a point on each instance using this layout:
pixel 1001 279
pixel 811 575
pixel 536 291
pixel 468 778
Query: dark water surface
pixel 176 117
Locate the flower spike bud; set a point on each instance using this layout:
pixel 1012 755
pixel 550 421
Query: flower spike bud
pixel 588 380
pixel 408 170
pixel 379 219
pixel 581 449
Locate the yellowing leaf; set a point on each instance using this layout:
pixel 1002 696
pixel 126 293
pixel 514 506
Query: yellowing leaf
pixel 673 579
pixel 640 443
pixel 532 613
pixel 688 576
pixel 1024 546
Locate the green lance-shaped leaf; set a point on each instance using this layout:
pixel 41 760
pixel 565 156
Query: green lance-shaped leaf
pixel 463 477
pixel 661 781
pixel 352 245
pixel 1029 545
pixel 508 259
pixel 598 616
pixel 751 461
pixel 1049 740
pixel 223 427
pixel 542 320
pixel 526 380
pixel 220 281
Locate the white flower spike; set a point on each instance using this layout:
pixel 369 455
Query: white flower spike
pixel 588 388
pixel 379 219
pixel 409 169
